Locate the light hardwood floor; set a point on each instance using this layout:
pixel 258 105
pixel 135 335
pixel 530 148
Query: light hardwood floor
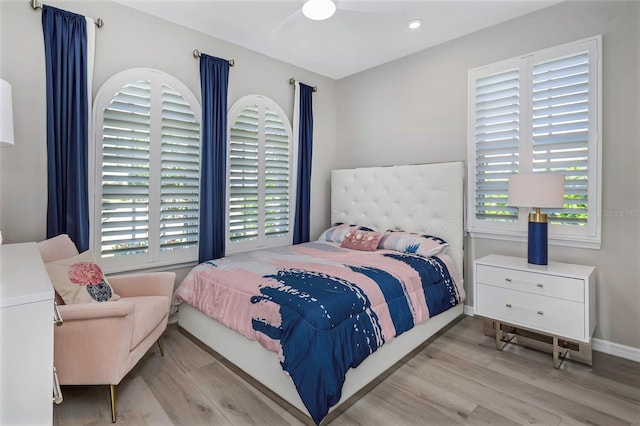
pixel 458 379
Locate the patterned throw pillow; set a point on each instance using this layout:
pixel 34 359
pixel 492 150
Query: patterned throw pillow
pixel 407 242
pixel 361 240
pixel 338 231
pixel 79 279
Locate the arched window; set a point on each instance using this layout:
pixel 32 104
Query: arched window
pixel 146 168
pixel 261 175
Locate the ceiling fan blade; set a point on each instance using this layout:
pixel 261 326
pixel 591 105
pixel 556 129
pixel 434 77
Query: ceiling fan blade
pixel 287 25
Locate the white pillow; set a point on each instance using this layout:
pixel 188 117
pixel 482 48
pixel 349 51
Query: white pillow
pixel 79 279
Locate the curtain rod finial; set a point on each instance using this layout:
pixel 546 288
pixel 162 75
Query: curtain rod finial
pixel 197 54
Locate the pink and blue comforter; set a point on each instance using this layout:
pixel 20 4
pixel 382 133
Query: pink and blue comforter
pixel 323 308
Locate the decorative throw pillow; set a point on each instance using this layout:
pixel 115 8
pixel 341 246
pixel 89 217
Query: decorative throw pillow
pixel 338 231
pixel 79 279
pixel 424 245
pixel 361 240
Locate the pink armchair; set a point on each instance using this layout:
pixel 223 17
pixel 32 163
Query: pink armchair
pixel 99 343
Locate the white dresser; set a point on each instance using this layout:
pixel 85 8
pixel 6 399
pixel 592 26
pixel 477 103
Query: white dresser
pixel 555 300
pixel 26 337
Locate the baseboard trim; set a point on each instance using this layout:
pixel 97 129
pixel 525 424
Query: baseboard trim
pixel 598 345
pixel 469 311
pixel 616 349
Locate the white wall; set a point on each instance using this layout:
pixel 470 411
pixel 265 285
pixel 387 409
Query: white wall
pixel 131 39
pixel 414 110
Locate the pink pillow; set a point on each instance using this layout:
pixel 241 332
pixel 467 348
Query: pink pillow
pixel 361 240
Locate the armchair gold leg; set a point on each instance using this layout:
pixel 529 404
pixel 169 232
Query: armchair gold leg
pixel 112 389
pixel 160 346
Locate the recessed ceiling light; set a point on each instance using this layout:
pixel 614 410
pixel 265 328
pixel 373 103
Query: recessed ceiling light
pixel 319 10
pixel 414 24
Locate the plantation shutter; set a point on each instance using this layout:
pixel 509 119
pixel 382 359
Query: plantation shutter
pixel 497 136
pixel 146 172
pixel 180 163
pixel 276 178
pixel 537 113
pixel 125 172
pixel 243 175
pixel 259 162
pixel 561 131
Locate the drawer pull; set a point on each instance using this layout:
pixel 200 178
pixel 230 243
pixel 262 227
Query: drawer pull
pixel 510 280
pixel 509 305
pixel 57 318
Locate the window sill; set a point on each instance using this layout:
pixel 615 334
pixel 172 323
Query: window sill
pixel 151 267
pixel 250 249
pixel 584 243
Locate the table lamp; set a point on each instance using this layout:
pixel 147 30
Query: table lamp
pixel 537 190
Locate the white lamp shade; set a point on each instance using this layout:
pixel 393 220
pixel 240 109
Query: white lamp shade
pixel 543 190
pixel 6 114
pixel 319 10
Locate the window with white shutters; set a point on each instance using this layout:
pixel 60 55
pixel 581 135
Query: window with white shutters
pixel 180 173
pixel 124 209
pixel 497 121
pixel 146 168
pixel 537 113
pixel 260 173
pixel 561 131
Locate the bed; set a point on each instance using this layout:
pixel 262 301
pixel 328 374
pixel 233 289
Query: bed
pixel 425 199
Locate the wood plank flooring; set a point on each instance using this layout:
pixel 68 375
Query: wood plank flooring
pixel 458 379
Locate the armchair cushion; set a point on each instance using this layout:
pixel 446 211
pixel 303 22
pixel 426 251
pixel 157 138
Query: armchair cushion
pixel 79 279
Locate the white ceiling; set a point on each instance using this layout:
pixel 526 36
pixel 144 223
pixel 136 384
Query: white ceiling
pixel 362 34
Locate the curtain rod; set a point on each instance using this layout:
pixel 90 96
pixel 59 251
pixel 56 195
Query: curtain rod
pixel 35 4
pixel 293 81
pixel 196 54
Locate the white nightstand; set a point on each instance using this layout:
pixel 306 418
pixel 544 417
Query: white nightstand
pixel 553 304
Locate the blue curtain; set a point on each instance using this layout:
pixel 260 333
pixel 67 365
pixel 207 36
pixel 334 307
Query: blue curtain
pixel 214 83
pixel 65 46
pixel 305 151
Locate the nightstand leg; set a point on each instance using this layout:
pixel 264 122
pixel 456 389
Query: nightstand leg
pixel 501 342
pixel 559 354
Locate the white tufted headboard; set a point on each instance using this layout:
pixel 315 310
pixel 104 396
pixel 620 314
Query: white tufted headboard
pixel 425 198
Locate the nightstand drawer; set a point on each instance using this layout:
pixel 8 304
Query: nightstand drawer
pixel 556 316
pixel 532 282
